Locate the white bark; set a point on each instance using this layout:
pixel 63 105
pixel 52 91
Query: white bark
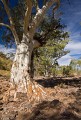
pixel 40 14
pixel 20 73
pixel 3 24
pixel 21 77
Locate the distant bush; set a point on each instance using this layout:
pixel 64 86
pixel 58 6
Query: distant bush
pixel 67 71
pixel 5 63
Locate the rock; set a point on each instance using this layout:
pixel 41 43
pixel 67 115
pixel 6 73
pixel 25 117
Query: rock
pixel 1 103
pixel 22 116
pixel 1 108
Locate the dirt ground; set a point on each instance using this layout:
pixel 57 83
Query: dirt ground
pixel 63 102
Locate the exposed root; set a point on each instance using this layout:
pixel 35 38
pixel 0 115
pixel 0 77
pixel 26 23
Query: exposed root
pixel 35 92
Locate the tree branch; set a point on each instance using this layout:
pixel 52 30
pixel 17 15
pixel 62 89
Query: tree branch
pixel 36 44
pixel 27 15
pixel 11 22
pixel 3 24
pixel 37 6
pixel 56 7
pixel 39 16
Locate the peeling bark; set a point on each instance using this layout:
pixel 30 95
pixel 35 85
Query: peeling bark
pixel 21 72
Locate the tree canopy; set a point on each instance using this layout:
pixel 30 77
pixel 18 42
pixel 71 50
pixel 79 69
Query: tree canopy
pixel 22 17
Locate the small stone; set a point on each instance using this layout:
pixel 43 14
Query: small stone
pixel 1 103
pixel 1 108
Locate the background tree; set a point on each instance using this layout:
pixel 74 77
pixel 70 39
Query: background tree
pixel 67 70
pixel 76 67
pixel 54 41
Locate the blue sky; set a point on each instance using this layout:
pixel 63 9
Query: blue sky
pixel 72 18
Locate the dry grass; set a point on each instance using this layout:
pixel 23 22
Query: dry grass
pixel 5 73
pixel 5 65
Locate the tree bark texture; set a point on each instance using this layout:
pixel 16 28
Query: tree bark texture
pixel 21 72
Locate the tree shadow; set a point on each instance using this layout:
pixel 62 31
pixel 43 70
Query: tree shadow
pixel 52 110
pixel 51 82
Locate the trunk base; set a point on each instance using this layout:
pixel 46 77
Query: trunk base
pixel 35 92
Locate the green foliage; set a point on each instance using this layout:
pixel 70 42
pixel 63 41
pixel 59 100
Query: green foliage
pixel 67 70
pixel 54 40
pixel 73 69
pixel 5 63
pixel 76 66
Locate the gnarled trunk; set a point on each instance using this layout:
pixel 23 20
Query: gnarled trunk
pixel 21 77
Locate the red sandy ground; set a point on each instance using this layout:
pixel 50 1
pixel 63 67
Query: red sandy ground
pixel 63 102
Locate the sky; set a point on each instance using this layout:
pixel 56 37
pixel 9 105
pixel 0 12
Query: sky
pixel 72 18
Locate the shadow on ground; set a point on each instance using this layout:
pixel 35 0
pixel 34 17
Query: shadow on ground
pixel 49 111
pixel 51 82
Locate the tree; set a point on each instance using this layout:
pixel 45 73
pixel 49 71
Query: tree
pixel 67 70
pixel 76 66
pixel 54 41
pixel 25 43
pixel 47 55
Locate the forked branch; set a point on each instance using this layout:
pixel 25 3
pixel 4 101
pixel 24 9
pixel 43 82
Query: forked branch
pixel 11 22
pixel 39 15
pixel 27 15
pixel 56 7
pixel 3 24
pixel 37 5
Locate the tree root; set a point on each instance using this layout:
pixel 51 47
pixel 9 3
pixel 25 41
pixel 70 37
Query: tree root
pixel 35 92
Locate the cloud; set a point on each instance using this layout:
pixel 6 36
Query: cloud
pixel 65 60
pixel 76 36
pixel 74 47
pixel 72 19
pixel 6 50
pixel 75 53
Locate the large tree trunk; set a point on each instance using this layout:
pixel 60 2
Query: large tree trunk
pixel 21 77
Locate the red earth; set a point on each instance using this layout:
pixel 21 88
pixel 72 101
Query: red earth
pixel 62 103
